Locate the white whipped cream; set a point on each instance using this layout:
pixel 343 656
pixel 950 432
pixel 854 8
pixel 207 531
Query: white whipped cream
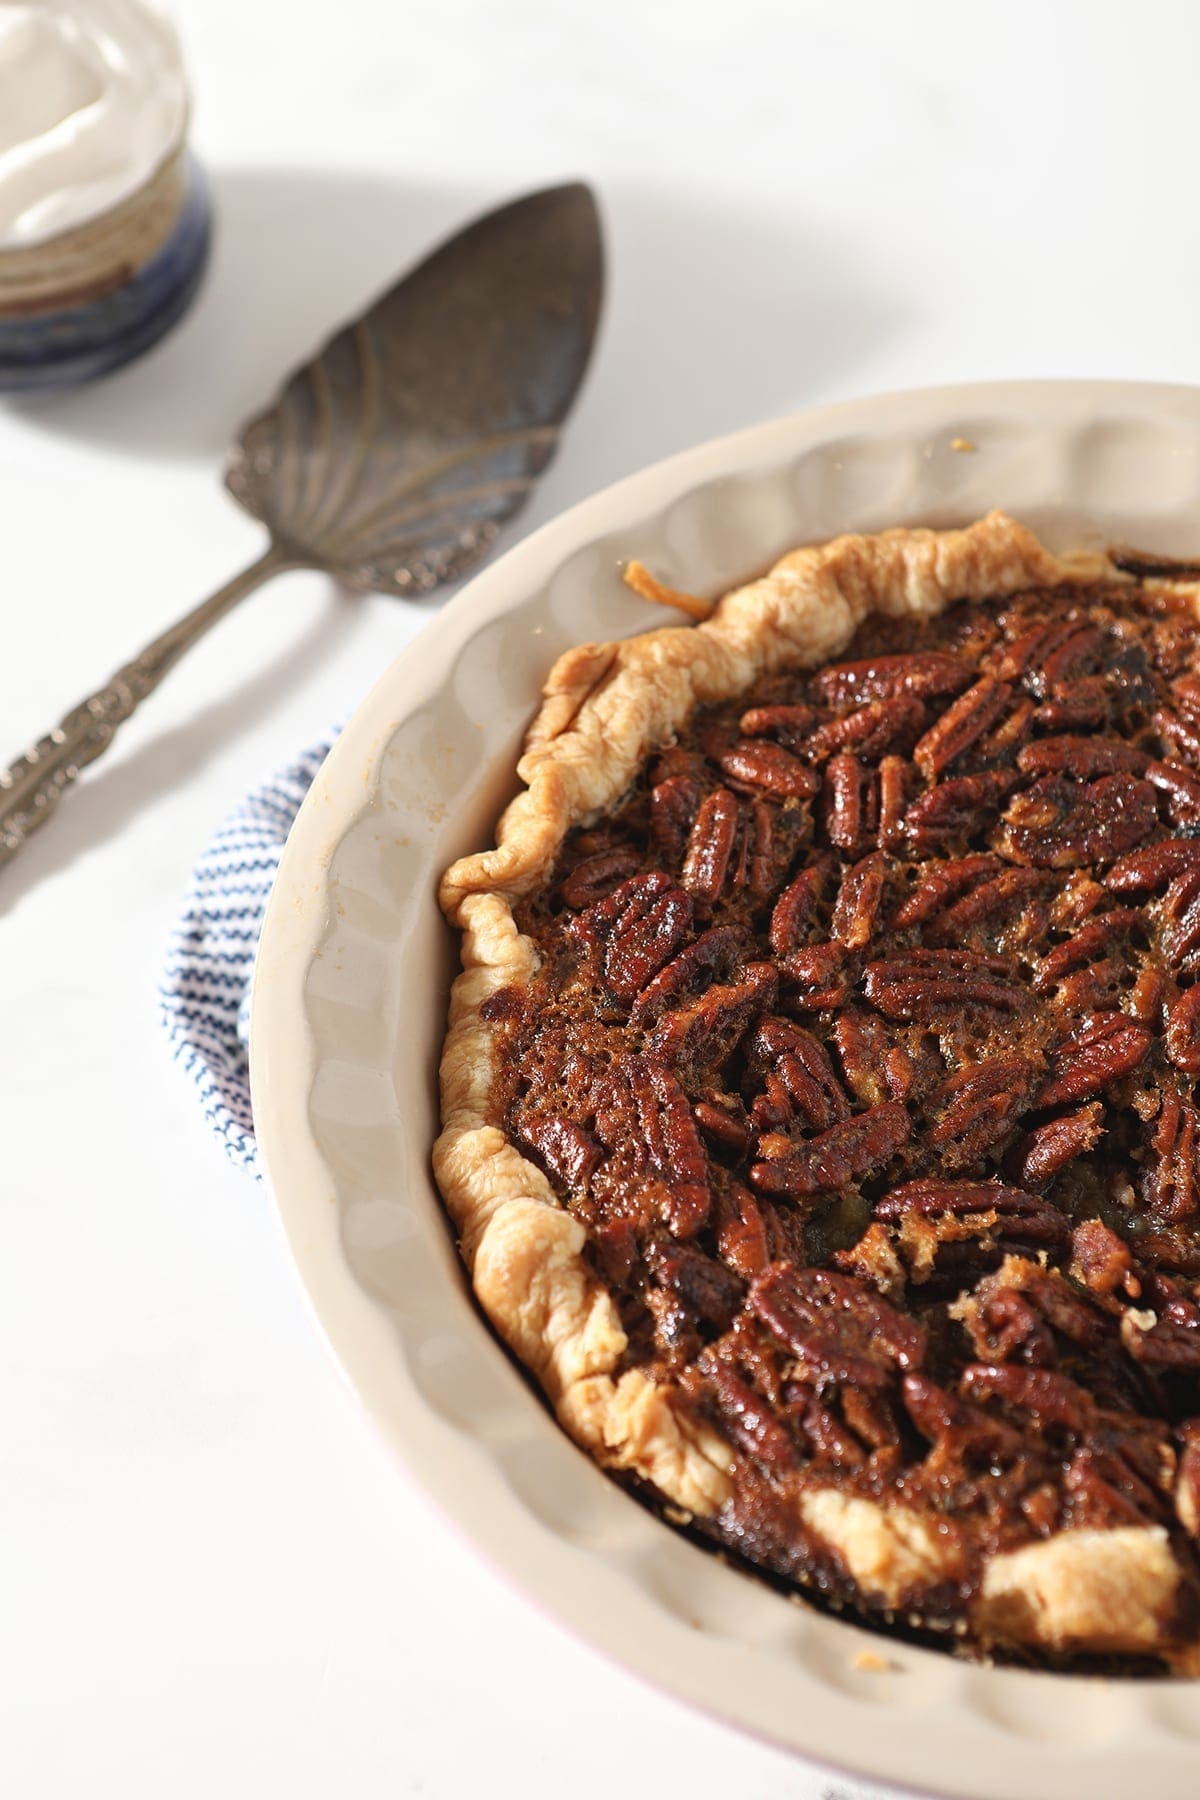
pixel 93 100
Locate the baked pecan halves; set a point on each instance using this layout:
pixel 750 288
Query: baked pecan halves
pixel 1148 870
pixel 859 902
pixel 709 1028
pixel 924 984
pixel 713 953
pixel 1061 824
pixel 976 1109
pixel 1048 1148
pixel 710 846
pixel 804 1071
pixel 1089 1059
pixel 770 768
pixel 646 933
pixel 926 674
pixel 673 1144
pixel 1183 1032
pixel 847 1152
pixel 961 725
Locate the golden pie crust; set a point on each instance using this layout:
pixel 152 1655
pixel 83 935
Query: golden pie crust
pixel 605 707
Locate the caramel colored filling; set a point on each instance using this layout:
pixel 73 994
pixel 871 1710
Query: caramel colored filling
pixel 865 1046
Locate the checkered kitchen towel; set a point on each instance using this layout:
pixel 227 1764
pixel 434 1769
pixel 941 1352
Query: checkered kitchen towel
pixel 205 1001
pixel 205 991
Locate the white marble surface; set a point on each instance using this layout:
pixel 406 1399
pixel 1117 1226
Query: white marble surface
pixel 214 1580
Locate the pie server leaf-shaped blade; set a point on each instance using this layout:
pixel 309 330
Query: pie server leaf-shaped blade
pixel 394 456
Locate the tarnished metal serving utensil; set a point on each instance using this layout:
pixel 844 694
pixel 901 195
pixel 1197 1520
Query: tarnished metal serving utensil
pixel 392 458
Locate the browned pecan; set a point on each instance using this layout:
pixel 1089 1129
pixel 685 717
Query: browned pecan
pixel 1094 940
pixel 875 1068
pixel 1082 758
pixel 1030 654
pixel 1180 788
pixel 596 876
pixel 1061 824
pixel 1079 896
pixel 1178 725
pixel 1075 706
pixel 870 1416
pixel 925 674
pixel 895 792
pixel 818 978
pixel 672 1143
pixel 956 809
pixel 1074 653
pixel 829 1441
pixel 673 806
pixel 1179 919
pixel 804 1071
pixel 860 898
pixel 1002 743
pixel 676 1328
pixel 1007 1211
pixel 941 883
pixel 1187 1481
pixel 796 907
pixel 722 1119
pixel 712 1024
pixel 976 1108
pixel 1149 869
pixel 753 764
pixel 1166 1346
pixel 1051 1398
pixel 789 724
pixel 640 925
pixel 961 725
pixel 714 952
pixel 850 803
pixel 1089 1059
pixel 565 1149
pixel 1048 1148
pixel 708 1288
pixel 650 927
pixel 922 984
pixel 1072 1314
pixel 836 1327
pixel 1102 1261
pixel 747 1420
pixel 759 851
pixel 710 846
pixel 960 1433
pixel 1180 735
pixel 1183 1032
pixel 1004 1326
pixel 1171 1182
pixel 747 1230
pixel 992 903
pixel 846 1152
pixel 871 730
pixel 1106 1492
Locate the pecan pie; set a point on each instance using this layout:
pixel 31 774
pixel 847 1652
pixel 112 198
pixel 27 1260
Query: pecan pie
pixel 820 1110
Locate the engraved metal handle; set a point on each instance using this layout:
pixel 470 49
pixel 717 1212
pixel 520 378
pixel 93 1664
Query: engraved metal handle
pixel 31 789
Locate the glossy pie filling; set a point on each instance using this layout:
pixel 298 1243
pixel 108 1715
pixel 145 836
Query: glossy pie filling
pixel 865 1045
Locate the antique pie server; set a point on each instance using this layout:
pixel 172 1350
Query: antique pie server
pixel 392 458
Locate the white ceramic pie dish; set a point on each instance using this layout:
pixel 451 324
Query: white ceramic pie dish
pixel 348 1019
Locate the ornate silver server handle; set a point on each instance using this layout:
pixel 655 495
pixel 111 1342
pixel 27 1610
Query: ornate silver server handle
pixel 31 789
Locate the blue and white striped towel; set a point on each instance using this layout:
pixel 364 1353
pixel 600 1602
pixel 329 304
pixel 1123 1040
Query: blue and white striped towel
pixel 205 991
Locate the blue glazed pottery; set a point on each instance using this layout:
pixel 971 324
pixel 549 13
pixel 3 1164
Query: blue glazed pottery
pixel 58 346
